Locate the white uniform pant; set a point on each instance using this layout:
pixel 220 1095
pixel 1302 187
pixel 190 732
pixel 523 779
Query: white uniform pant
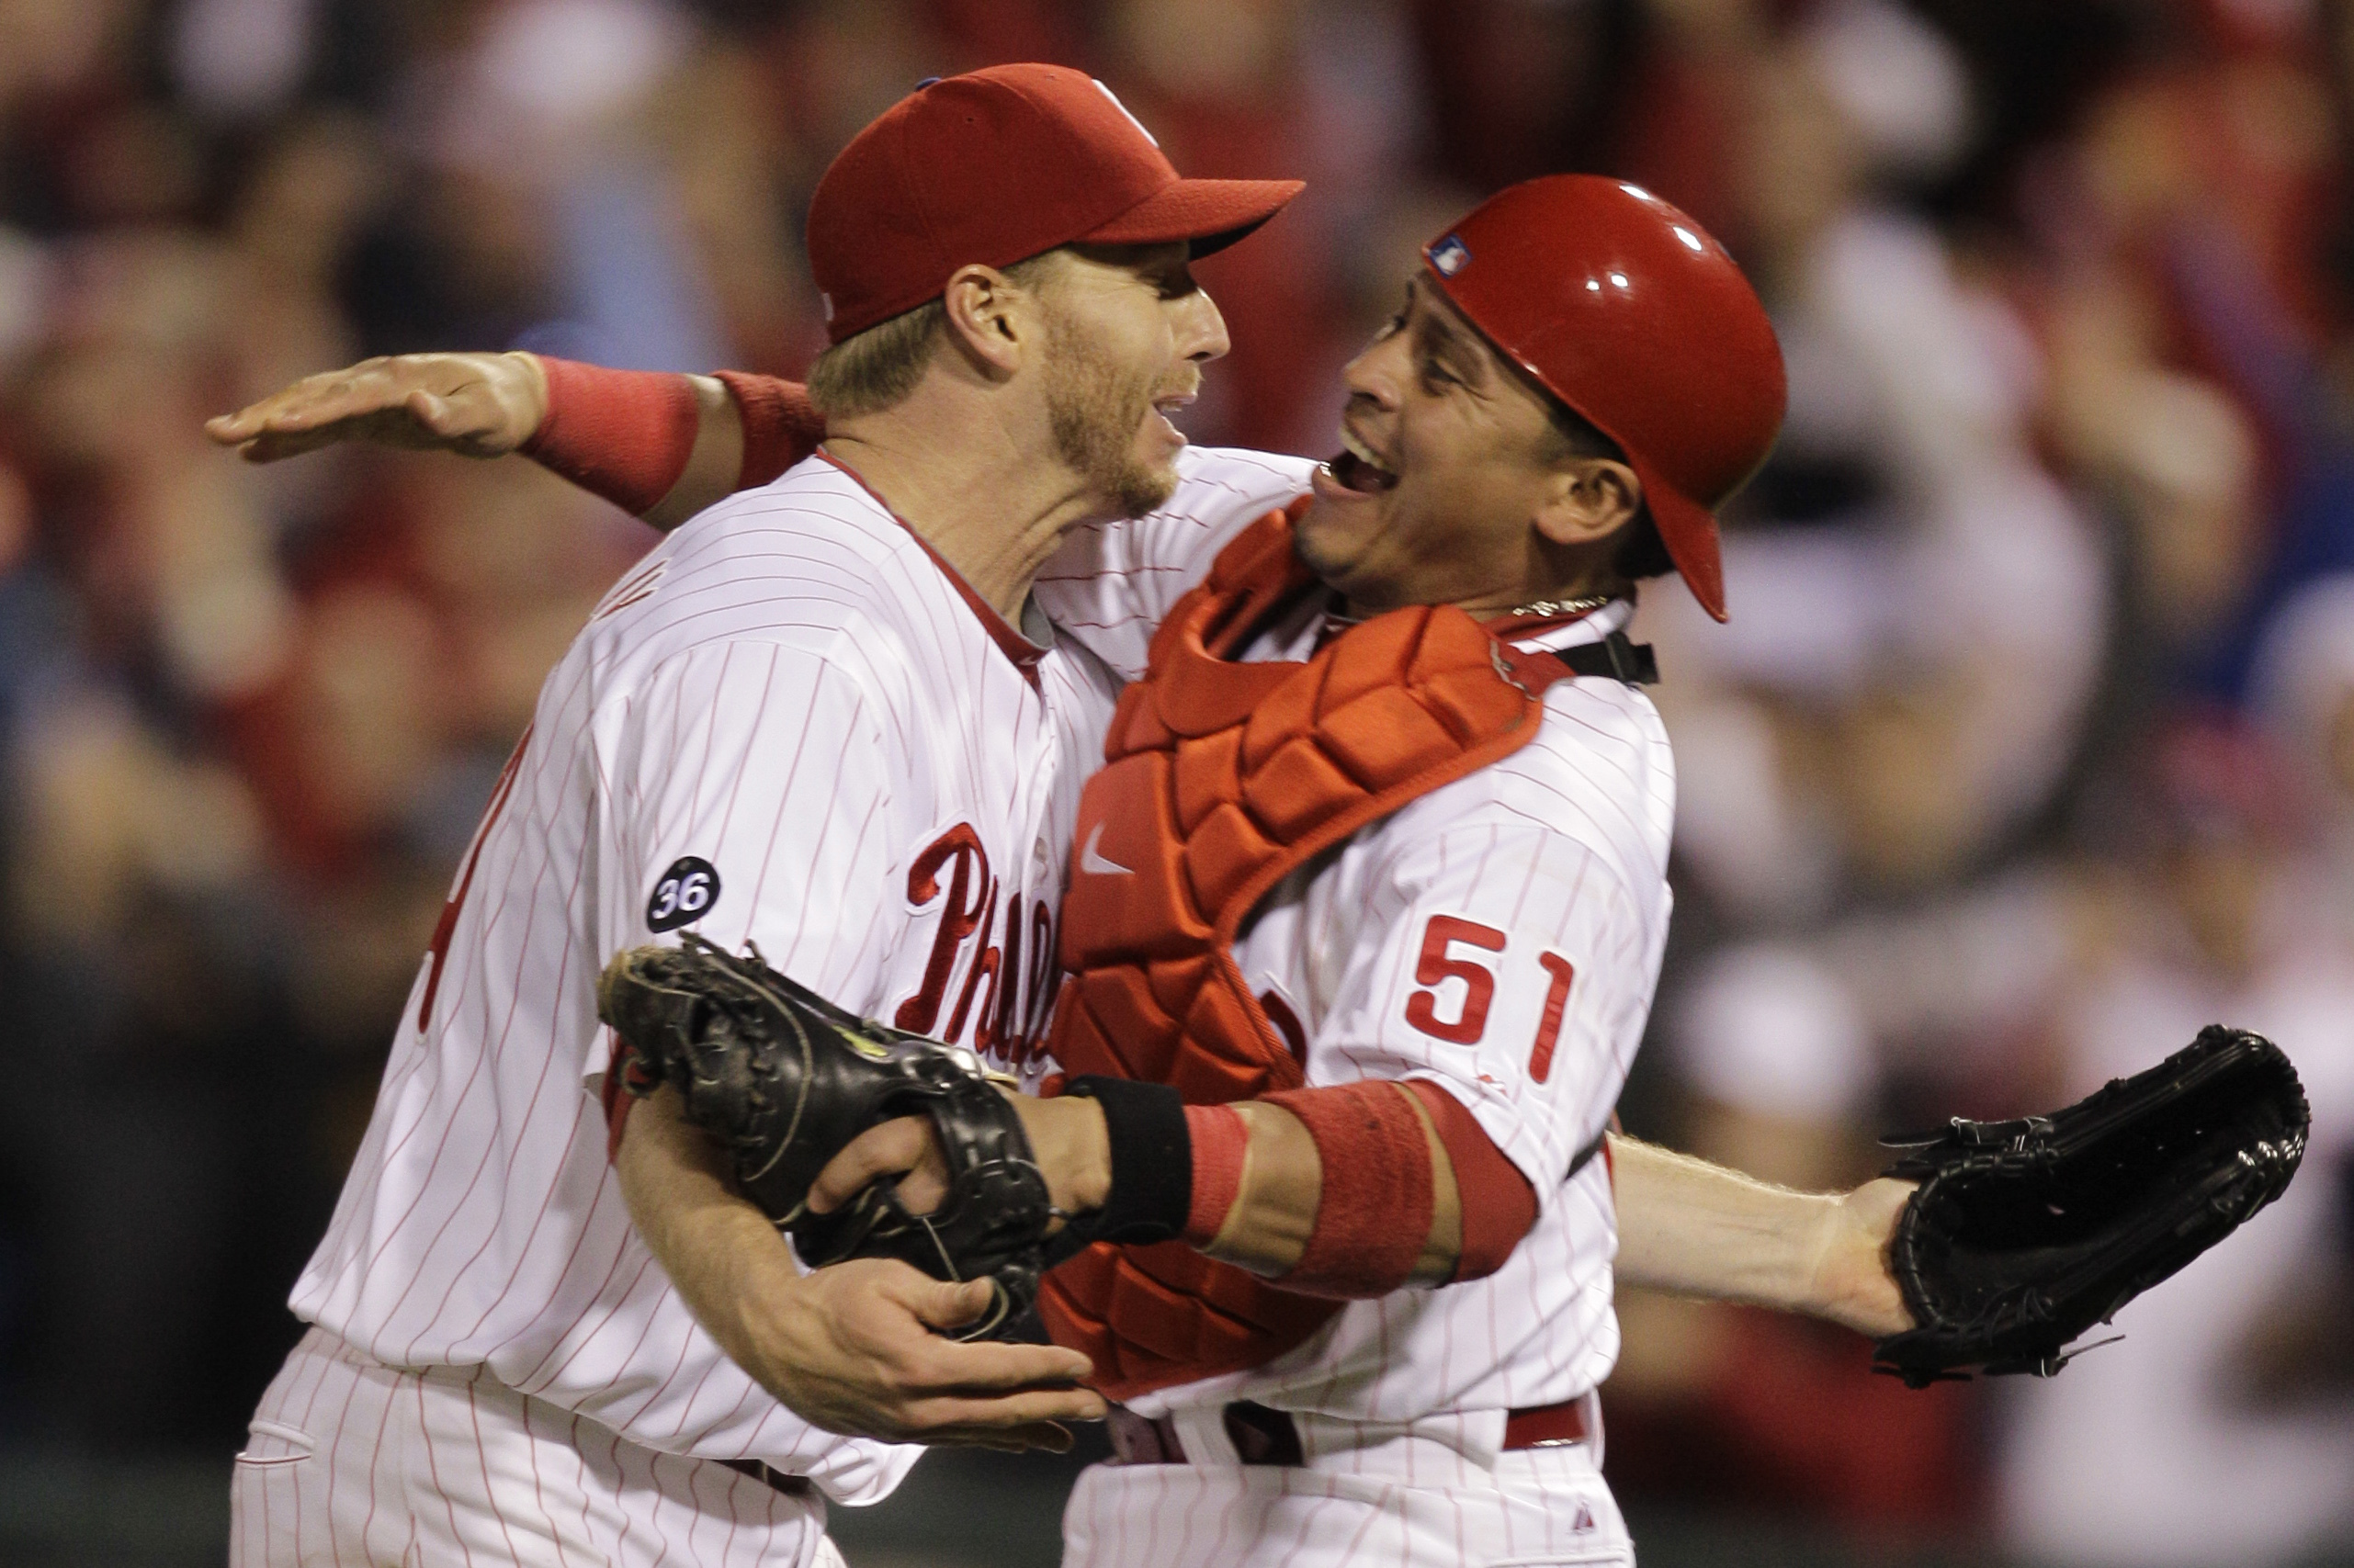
pixel 353 1464
pixel 1405 1501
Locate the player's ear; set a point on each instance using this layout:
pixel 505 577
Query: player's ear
pixel 988 319
pixel 1588 499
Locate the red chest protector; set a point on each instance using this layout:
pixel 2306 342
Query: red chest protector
pixel 1223 778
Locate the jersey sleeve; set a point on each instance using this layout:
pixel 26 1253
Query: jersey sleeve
pixel 1109 584
pixel 1510 968
pixel 749 786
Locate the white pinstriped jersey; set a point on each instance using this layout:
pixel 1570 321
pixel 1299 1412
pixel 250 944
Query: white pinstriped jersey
pixel 787 723
pixel 1111 583
pixel 354 1463
pixel 1501 936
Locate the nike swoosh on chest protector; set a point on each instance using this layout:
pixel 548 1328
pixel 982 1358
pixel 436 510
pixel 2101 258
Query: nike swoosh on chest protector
pixel 1090 858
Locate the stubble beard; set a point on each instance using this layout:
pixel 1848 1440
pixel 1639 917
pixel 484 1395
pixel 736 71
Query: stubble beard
pixel 1331 566
pixel 1094 409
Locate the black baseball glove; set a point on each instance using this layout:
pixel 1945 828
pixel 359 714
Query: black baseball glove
pixel 2025 1234
pixel 783 1079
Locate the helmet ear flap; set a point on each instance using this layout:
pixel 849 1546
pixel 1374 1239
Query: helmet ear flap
pixel 1642 553
pixel 1628 312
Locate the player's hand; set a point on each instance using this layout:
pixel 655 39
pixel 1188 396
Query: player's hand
pixel 479 405
pixel 854 1349
pixel 1851 1283
pixel 904 1148
pixel 1068 1139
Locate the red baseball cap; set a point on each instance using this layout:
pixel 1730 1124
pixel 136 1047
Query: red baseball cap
pixel 994 167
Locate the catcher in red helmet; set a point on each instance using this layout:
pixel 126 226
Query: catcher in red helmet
pixel 1597 305
pixel 1366 905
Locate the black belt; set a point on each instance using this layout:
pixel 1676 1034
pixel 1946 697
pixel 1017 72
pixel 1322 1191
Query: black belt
pixel 1262 1435
pixel 769 1476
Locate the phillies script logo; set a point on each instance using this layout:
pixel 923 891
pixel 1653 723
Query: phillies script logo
pixel 1012 971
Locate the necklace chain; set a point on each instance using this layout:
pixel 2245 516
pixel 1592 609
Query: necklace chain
pixel 1560 607
pixel 1578 606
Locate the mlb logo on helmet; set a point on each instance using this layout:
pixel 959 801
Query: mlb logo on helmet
pixel 1450 256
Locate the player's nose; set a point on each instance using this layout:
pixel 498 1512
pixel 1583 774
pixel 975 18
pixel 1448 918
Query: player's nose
pixel 1378 371
pixel 1201 330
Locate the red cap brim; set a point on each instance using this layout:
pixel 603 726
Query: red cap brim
pixel 1211 214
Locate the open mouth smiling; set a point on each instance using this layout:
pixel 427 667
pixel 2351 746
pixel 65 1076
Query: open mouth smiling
pixel 1357 468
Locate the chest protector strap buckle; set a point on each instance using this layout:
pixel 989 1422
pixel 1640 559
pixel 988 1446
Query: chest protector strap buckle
pixel 1615 657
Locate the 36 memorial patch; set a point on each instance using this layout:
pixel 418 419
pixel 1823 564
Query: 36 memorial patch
pixel 684 895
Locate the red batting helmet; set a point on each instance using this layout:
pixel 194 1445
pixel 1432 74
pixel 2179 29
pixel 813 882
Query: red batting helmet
pixel 1627 311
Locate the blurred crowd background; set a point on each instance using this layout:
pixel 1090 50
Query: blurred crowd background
pixel 2029 751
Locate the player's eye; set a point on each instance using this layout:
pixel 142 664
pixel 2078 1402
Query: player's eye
pixel 1436 374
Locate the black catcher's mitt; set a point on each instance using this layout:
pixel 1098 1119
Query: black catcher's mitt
pixel 783 1079
pixel 2025 1234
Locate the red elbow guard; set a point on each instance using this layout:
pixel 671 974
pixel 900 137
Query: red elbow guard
pixel 781 425
pixel 622 435
pixel 1498 1205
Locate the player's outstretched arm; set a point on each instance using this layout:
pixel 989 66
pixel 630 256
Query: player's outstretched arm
pixel 1696 1229
pixel 851 1348
pixel 661 447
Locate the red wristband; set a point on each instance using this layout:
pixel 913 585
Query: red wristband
pixel 781 425
pixel 1220 1138
pixel 622 435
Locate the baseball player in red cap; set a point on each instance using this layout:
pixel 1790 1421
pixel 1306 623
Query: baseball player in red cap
pixel 545 1333
pixel 1373 879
